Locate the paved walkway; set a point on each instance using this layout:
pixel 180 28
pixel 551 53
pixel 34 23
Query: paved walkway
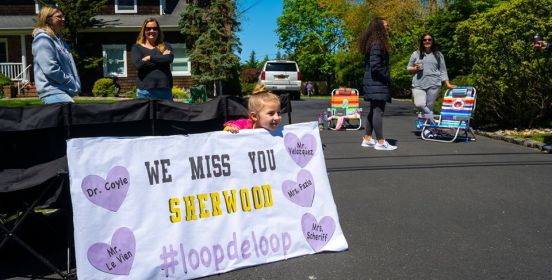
pixel 481 210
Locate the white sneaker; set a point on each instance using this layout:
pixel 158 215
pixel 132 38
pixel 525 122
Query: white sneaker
pixel 385 146
pixel 428 134
pixel 370 143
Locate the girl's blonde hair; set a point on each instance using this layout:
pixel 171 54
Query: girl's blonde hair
pixel 42 21
pixel 259 97
pixel 141 39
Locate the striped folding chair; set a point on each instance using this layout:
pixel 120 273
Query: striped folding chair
pixel 345 112
pixel 454 121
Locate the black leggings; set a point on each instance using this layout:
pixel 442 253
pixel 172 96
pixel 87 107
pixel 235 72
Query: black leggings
pixel 375 119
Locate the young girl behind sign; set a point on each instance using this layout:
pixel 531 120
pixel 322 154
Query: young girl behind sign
pixel 264 112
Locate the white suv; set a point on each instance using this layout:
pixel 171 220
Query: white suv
pixel 282 76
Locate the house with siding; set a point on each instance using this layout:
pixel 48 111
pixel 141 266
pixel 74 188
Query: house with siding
pixel 112 37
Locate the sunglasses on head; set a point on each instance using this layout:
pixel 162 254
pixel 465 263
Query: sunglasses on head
pixel 152 28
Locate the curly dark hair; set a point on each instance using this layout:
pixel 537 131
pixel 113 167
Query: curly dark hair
pixel 375 33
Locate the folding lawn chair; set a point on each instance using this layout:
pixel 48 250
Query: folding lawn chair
pixel 345 112
pixel 26 197
pixel 456 111
pixel 198 94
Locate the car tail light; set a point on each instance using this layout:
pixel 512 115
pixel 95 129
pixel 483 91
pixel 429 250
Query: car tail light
pixel 263 75
pixel 298 75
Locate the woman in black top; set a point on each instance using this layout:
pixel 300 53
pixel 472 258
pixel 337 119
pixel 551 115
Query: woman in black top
pixel 374 45
pixel 152 58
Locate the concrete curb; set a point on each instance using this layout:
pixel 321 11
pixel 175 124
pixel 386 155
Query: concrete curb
pixel 518 141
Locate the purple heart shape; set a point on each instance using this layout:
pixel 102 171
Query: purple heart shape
pixel 302 191
pixel 316 233
pixel 109 193
pixel 116 258
pixel 300 150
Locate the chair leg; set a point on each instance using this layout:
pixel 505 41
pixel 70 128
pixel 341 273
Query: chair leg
pixel 68 217
pixel 29 209
pixel 10 233
pixel 32 251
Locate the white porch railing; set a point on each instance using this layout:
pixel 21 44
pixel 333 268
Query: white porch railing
pixel 14 71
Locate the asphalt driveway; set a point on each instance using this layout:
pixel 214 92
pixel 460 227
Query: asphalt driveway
pixel 428 210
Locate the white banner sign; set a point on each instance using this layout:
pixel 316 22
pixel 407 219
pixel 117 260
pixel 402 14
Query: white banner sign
pixel 190 206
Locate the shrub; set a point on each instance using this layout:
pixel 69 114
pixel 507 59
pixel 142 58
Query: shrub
pixel 131 93
pixel 513 81
pixel 4 81
pixel 249 75
pixel 104 87
pixel 247 88
pixel 349 69
pixel 180 93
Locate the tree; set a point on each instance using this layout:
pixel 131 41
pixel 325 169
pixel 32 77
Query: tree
pixel 209 27
pixel 405 17
pixel 279 55
pixel 252 61
pixel 262 62
pixel 79 15
pixel 514 81
pixel 444 23
pixel 311 34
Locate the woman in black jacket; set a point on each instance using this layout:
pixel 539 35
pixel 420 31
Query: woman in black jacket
pixel 374 45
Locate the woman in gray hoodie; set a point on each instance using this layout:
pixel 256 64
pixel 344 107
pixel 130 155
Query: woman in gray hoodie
pixel 430 71
pixel 55 72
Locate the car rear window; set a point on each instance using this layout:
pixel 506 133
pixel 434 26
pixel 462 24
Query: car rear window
pixel 288 67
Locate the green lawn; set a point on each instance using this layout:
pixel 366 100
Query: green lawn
pixel 34 101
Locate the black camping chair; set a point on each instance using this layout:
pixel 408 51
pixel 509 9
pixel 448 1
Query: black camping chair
pixel 31 193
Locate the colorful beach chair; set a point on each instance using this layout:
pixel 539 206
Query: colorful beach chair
pixel 454 121
pixel 345 111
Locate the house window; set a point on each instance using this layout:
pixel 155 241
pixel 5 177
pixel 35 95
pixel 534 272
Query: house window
pixel 3 50
pixel 39 3
pixel 114 60
pixel 125 6
pixel 181 64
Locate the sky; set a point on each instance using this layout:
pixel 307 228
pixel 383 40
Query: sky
pixel 258 25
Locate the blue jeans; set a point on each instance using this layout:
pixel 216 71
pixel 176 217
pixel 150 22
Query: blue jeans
pixel 57 98
pixel 154 93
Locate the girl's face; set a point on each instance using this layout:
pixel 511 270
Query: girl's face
pixel 386 26
pixel 151 30
pixel 268 117
pixel 427 41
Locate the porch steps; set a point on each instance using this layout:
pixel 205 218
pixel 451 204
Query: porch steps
pixel 29 90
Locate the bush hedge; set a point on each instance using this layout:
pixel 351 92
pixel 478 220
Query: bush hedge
pixel 104 87
pixel 4 81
